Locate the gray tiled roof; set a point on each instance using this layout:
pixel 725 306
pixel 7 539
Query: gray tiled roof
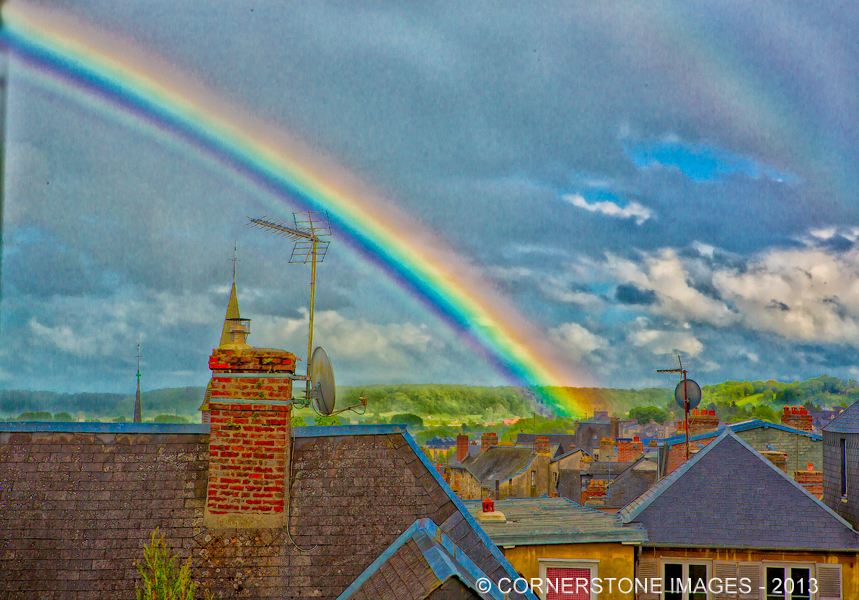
pixel 534 521
pixel 846 422
pixel 567 441
pixel 501 463
pixel 729 496
pixel 631 483
pixel 606 470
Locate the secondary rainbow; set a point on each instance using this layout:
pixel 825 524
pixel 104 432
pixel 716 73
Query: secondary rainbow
pixel 73 60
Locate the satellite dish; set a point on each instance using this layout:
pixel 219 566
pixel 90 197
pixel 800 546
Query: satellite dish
pixel 685 390
pixel 322 381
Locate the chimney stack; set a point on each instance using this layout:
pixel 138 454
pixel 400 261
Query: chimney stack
pixel 607 453
pixel 250 434
pixel 797 417
pixel 629 451
pixel 541 446
pixel 810 480
pixel 702 421
pixel 487 440
pixel 461 447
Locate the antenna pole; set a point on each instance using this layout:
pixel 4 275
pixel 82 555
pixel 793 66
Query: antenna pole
pixel 312 304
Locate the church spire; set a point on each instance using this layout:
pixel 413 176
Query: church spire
pixel 232 305
pixel 137 408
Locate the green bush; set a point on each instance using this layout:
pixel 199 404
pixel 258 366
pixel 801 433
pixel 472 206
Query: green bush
pixel 163 578
pixel 64 417
pixel 170 419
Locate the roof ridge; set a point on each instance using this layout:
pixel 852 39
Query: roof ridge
pixel 636 506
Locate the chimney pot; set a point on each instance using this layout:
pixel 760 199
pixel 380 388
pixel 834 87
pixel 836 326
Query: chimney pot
pixel 810 466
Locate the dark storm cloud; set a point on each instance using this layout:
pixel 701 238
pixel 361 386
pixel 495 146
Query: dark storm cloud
pixel 629 294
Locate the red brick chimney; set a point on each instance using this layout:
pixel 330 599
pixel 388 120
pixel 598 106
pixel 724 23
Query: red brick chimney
pixel 487 440
pixel 702 421
pixel 810 480
pixel 461 447
pixel 629 451
pixel 596 489
pixel 797 417
pixel 541 446
pixel 249 440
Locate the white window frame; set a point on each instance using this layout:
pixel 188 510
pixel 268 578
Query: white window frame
pixel 812 573
pixel 561 563
pixel 708 562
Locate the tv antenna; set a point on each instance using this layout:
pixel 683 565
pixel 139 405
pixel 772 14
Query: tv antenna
pixel 687 394
pixel 310 231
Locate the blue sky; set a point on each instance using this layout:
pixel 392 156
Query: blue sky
pixel 638 179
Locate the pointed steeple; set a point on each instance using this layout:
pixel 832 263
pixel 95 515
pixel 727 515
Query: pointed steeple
pixel 232 306
pixel 137 409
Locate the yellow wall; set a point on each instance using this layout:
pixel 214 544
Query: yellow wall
pixel 615 560
pixel 849 561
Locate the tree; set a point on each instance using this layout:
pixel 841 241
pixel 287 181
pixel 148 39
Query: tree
pixel 323 421
pixel 63 416
pixel 644 414
pixel 407 419
pixel 299 422
pixel 170 419
pixel 163 578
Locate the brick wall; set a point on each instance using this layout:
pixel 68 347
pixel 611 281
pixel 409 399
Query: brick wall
pixel 77 508
pixel 811 481
pixel 248 456
pixel 629 451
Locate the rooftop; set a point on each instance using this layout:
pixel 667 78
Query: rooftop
pixel 846 422
pixel 729 496
pixel 535 521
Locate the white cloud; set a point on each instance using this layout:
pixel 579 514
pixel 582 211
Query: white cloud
pixel 633 210
pixel 809 294
pixel 666 342
pixel 392 345
pixel 577 340
pixel 667 276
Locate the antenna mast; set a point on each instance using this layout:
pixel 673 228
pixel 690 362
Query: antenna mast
pixel 138 418
pixel 307 231
pixel 687 394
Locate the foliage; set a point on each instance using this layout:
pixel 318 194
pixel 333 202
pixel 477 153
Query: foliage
pixel 645 414
pixel 298 422
pixel 170 419
pixel 120 419
pixel 35 416
pixel 163 577
pixel 322 421
pixel 408 419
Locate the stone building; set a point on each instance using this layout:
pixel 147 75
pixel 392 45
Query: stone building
pixel 841 464
pixel 262 510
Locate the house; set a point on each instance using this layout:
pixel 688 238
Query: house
pixel 503 471
pixel 800 447
pixel 728 513
pixel 553 538
pixel 261 508
pixel 566 442
pixel 841 464
pixel 439 445
pixel 628 485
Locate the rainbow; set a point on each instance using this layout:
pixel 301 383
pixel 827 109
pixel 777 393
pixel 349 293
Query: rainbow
pixel 167 101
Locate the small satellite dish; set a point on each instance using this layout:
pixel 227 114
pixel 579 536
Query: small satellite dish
pixel 322 381
pixel 685 390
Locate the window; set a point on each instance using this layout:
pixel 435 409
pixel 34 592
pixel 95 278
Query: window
pixel 533 484
pixel 567 579
pixel 843 469
pixel 685 580
pixel 788 582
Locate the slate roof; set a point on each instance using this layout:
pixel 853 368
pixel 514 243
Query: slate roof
pixel 501 463
pixel 86 496
pixel 567 441
pixel 421 561
pixel 537 521
pixel 570 453
pixel 606 470
pixel 631 483
pixel 473 452
pixel 740 426
pixel 570 484
pixel 846 422
pixel 729 496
